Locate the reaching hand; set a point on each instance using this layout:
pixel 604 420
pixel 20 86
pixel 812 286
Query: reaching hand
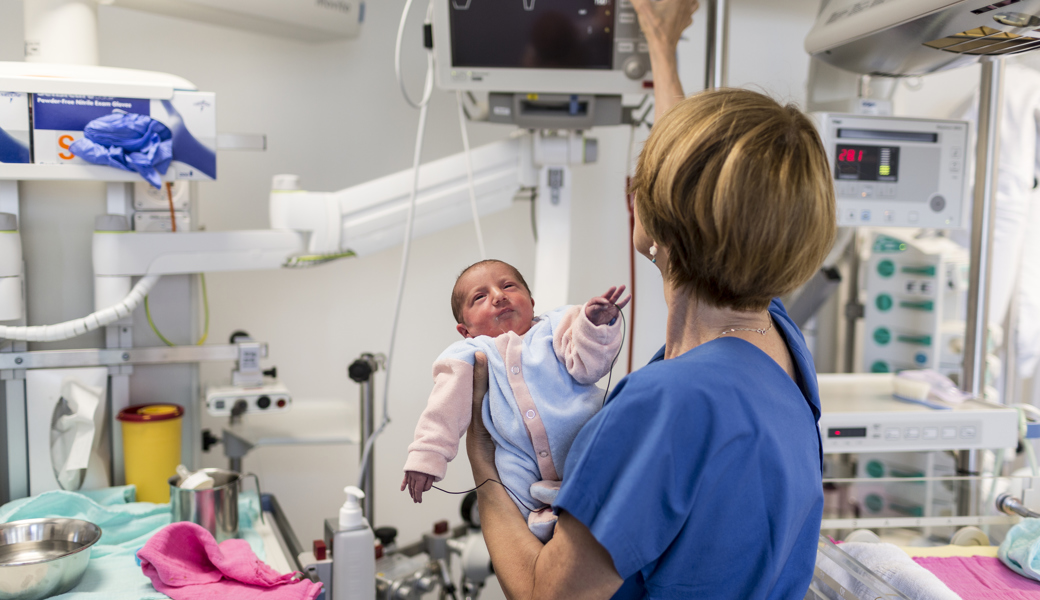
pixel 663 21
pixel 603 309
pixel 417 483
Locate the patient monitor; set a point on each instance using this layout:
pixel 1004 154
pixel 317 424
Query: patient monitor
pixel 540 46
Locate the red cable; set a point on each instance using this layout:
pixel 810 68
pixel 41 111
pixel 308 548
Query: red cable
pixel 169 196
pixel 631 270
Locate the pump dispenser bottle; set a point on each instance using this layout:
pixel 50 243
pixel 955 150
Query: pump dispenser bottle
pixel 353 552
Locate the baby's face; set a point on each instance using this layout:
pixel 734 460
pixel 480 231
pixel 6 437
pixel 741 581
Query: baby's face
pixel 494 302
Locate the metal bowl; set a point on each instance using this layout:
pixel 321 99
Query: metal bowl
pixel 40 558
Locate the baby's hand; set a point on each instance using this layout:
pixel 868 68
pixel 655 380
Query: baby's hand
pixel 417 483
pixel 603 309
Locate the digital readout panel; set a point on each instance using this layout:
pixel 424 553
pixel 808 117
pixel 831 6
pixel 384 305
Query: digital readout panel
pixel 847 432
pixel 867 163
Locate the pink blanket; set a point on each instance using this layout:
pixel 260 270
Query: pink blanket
pixel 981 578
pixel 186 563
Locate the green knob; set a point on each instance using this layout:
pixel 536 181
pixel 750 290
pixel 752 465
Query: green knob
pixel 886 268
pixel 879 366
pixel 874 503
pixel 882 336
pixel 875 468
pixel 883 302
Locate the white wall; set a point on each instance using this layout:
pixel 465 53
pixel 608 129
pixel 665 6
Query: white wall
pixel 334 116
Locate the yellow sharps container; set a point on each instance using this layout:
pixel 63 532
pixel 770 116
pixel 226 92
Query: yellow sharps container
pixel 151 448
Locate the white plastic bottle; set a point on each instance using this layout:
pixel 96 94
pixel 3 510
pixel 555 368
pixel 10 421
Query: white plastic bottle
pixel 353 552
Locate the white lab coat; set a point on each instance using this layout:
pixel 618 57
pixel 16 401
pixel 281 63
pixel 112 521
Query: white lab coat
pixel 1015 265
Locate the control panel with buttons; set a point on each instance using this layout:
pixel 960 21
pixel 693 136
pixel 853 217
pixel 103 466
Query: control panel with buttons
pixel 224 401
pixel 861 415
pixel 896 172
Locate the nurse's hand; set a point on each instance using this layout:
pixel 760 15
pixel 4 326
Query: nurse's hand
pixel 479 445
pixel 663 23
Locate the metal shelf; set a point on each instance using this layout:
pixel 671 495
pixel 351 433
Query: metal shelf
pixel 101 357
pixel 32 172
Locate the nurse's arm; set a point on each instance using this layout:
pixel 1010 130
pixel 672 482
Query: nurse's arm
pixel 572 565
pixel 663 22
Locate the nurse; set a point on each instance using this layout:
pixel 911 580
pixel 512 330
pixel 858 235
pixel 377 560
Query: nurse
pixel 701 476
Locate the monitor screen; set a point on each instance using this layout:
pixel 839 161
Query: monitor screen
pixel 532 34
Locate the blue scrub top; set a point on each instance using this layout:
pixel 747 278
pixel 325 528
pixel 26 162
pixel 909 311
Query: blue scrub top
pixel 702 474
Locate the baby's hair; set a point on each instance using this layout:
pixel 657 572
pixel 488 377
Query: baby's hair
pixel 456 294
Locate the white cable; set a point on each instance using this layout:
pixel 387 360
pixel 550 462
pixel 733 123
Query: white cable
pixel 469 176
pixel 428 86
pixel 405 252
pixel 77 327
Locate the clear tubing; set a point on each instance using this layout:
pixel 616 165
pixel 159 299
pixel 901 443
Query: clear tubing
pixel 428 86
pixel 469 176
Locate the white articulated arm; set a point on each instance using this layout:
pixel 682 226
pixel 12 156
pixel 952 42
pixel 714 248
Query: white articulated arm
pixel 76 327
pixel 370 217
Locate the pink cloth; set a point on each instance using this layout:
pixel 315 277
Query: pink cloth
pixel 981 578
pixel 186 563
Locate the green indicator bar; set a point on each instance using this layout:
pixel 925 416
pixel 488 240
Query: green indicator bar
pixel 925 305
pixel 919 340
pixel 901 473
pixel 928 270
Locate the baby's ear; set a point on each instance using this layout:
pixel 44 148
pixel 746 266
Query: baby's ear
pixel 462 329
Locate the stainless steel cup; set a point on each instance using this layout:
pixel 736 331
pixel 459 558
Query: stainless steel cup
pixel 215 509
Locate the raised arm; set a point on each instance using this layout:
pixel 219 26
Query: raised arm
pixel 663 22
pixel 572 565
pixel 587 338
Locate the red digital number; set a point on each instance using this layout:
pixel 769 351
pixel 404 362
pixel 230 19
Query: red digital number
pixel 849 155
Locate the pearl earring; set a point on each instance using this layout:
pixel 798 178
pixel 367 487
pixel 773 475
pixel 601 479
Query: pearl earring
pixel 653 253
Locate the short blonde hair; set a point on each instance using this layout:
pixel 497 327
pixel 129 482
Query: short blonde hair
pixel 737 187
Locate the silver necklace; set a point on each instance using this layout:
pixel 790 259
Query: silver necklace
pixel 762 331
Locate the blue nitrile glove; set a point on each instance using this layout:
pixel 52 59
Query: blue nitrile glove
pixel 127 141
pixel 12 150
pixel 186 148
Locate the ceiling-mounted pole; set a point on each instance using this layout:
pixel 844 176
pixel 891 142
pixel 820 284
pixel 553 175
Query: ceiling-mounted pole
pixel 718 35
pixel 973 375
pixel 986 156
pixel 61 31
